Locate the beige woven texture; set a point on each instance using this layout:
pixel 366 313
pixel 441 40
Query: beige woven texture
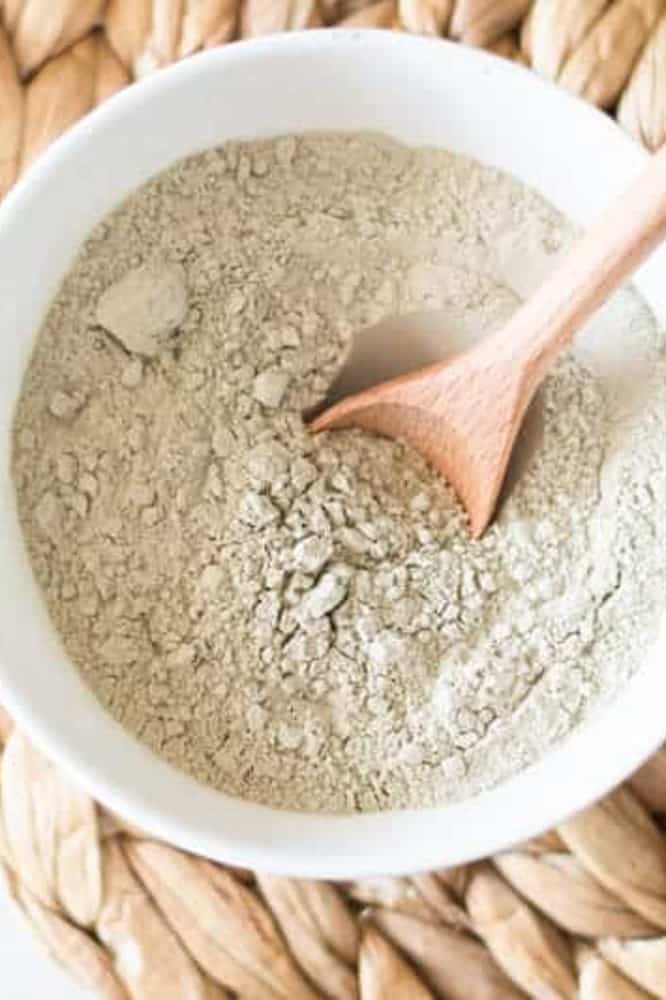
pixel 577 913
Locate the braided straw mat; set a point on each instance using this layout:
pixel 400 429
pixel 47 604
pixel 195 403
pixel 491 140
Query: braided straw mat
pixel 579 912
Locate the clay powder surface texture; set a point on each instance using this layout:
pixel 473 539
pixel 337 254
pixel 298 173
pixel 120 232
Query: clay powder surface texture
pixel 301 620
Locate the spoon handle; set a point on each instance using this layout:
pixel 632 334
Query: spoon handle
pixel 598 264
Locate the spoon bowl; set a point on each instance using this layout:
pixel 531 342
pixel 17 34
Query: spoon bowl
pixel 441 410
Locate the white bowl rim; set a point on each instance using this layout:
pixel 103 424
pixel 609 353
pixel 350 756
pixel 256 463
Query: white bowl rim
pixel 341 846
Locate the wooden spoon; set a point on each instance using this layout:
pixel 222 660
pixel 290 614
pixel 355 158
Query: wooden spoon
pixel 463 414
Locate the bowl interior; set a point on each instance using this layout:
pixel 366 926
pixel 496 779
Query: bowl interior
pixel 417 90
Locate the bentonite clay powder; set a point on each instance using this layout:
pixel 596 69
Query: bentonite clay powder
pixel 303 620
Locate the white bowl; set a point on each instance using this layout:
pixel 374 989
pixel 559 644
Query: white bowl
pixel 420 91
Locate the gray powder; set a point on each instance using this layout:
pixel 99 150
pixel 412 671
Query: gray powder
pixel 303 620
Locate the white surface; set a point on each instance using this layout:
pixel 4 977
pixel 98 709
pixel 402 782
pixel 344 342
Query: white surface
pixel 421 91
pixel 27 972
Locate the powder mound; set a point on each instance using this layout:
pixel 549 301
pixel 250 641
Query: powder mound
pixel 303 620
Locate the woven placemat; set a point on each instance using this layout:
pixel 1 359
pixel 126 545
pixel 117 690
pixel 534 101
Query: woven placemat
pixel 579 912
